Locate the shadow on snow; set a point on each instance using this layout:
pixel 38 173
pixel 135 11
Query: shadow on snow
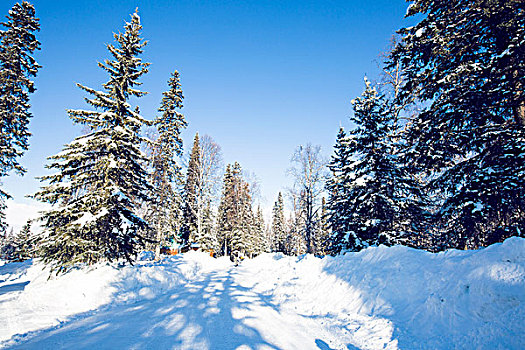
pixel 199 315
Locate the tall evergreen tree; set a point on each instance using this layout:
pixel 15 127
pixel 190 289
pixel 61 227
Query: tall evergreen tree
pixel 338 187
pixel 278 225
pixel 23 244
pixel 465 62
pixel 243 243
pixel 17 68
pixel 165 211
pixel 192 225
pixel 101 177
pixel 261 245
pixel 208 240
pixel 373 180
pixel 235 223
pixel 226 214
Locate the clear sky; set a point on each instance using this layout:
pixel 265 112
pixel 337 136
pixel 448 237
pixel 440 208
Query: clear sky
pixel 260 77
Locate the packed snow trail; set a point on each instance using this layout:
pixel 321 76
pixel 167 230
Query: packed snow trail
pixel 212 311
pixel 381 298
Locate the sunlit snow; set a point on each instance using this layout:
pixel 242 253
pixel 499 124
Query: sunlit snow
pixel 380 298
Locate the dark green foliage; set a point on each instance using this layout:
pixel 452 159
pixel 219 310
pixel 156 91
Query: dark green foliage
pixel 373 199
pixel 100 177
pixel 371 193
pixel 20 246
pixel 465 61
pixel 260 244
pixel 338 188
pixel 235 216
pixel 17 67
pixel 226 212
pixel 208 239
pixel 165 212
pixel 191 229
pixel 278 226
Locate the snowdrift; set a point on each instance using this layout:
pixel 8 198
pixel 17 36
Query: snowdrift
pixel 380 298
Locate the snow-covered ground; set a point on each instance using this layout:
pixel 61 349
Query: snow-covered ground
pixel 380 298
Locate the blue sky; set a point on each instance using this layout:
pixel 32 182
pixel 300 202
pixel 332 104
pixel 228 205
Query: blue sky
pixel 260 77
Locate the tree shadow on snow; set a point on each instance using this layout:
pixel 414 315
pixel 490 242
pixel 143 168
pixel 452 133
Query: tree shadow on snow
pixel 14 287
pixel 322 345
pixel 206 314
pixel 14 270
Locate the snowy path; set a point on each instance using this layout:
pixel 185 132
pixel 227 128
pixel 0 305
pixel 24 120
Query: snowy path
pixel 213 312
pixel 381 298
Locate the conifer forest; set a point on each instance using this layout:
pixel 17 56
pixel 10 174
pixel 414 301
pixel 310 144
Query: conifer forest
pixel 430 160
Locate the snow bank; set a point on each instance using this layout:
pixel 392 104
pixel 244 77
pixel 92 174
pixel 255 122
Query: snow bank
pixel 380 298
pixel 404 298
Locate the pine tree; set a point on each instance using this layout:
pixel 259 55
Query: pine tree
pixel 226 215
pixel 17 67
pixel 192 225
pixel 8 246
pixel 25 243
pixel 166 206
pixel 464 61
pixel 208 239
pixel 202 186
pixel 278 225
pixel 235 223
pixel 294 243
pixel 376 180
pixel 261 245
pixel 338 206
pixel 101 177
pixel 20 246
pixel 242 239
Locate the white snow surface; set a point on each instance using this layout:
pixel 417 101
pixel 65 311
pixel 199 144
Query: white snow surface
pixel 379 298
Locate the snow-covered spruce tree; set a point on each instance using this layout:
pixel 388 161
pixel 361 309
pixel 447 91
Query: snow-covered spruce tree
pixel 208 239
pixel 192 212
pixel 165 211
pixel 235 217
pixel 17 67
pixel 202 188
pixel 278 225
pixel 243 243
pixel 226 214
pixel 338 206
pixel 465 61
pixel 100 177
pixel 295 242
pixel 7 245
pixel 373 180
pixel 19 246
pixel 23 244
pixel 261 244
